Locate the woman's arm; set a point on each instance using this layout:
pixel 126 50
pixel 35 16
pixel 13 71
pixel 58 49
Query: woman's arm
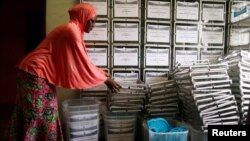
pixel 112 85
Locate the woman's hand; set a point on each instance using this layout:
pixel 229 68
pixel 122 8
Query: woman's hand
pixel 112 85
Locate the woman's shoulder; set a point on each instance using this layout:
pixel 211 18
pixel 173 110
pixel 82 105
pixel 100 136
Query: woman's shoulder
pixel 67 30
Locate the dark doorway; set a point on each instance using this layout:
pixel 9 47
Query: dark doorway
pixel 34 29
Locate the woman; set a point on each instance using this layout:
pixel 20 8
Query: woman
pixel 60 60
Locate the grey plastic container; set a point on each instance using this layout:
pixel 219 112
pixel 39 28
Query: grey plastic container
pixel 76 105
pixel 120 126
pixel 197 135
pixel 82 119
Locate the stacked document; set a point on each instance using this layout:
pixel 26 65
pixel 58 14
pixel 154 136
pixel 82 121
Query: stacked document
pixel 216 107
pixel 98 93
pixel 162 99
pixel 204 90
pixel 239 72
pixel 129 99
pixel 187 107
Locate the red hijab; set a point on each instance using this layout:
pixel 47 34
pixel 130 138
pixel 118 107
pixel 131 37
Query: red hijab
pixel 61 58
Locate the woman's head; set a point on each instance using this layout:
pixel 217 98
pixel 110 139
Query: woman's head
pixel 89 25
pixel 84 14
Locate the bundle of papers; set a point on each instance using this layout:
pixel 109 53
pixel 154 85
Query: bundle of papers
pixel 239 72
pixel 130 99
pixel 216 107
pixel 204 90
pixel 162 99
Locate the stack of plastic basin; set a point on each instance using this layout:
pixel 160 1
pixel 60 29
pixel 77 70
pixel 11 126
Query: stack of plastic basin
pixel 160 130
pixel 82 119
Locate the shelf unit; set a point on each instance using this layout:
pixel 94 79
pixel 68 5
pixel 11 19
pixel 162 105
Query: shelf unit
pixel 239 25
pixel 204 34
pixel 178 25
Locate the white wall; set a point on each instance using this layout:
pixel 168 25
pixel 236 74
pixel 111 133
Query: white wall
pixel 57 12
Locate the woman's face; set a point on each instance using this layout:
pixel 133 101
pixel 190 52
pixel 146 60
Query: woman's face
pixel 90 25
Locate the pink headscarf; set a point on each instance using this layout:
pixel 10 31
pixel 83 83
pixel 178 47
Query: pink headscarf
pixel 81 13
pixel 61 58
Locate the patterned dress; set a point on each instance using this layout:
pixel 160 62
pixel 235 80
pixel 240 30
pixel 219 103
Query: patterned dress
pixel 36 114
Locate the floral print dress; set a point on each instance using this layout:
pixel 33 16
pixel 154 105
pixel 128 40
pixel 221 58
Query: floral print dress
pixel 35 117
